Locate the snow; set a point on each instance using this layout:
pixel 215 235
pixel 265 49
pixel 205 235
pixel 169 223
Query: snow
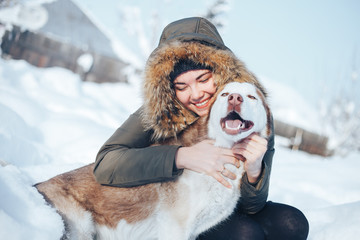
pixel 28 15
pixel 51 122
pixel 305 116
pixel 85 61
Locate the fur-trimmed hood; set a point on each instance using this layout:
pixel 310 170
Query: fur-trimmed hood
pixel 195 39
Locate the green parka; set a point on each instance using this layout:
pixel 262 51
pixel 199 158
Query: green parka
pixel 127 159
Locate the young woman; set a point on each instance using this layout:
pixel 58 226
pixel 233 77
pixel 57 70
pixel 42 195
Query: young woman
pixel 181 77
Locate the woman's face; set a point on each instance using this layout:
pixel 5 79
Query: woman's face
pixel 195 89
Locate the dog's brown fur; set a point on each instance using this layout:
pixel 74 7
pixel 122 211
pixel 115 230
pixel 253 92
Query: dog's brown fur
pixel 78 189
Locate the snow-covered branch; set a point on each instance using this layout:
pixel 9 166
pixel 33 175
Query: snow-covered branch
pixel 342 125
pixel 215 10
pixel 342 119
pixel 8 3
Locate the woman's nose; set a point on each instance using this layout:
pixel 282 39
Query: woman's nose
pixel 196 93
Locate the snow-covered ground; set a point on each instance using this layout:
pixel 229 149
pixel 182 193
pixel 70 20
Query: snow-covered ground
pixel 51 122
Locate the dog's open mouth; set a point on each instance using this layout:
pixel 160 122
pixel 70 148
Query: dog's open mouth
pixel 233 124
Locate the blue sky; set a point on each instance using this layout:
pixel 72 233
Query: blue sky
pixel 313 46
pixel 306 44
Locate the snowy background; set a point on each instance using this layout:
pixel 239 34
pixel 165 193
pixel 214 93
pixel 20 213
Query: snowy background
pixel 51 122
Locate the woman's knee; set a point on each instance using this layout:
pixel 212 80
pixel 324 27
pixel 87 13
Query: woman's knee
pixel 281 221
pixel 296 226
pixel 298 222
pixel 237 227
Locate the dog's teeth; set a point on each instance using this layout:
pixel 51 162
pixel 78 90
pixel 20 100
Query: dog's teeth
pixel 233 126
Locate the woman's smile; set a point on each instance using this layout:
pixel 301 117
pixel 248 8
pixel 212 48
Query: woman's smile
pixel 203 104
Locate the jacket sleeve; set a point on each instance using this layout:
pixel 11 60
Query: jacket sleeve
pixel 127 159
pixel 254 196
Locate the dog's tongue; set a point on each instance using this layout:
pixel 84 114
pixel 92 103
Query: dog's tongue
pixel 233 124
pixel 233 127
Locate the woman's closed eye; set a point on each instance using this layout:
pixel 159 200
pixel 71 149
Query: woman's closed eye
pixel 204 80
pixel 204 77
pixel 180 86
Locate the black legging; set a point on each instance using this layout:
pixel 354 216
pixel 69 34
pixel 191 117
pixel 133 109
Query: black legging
pixel 274 222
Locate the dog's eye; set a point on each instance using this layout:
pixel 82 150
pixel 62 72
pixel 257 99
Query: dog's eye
pixel 225 94
pixel 251 97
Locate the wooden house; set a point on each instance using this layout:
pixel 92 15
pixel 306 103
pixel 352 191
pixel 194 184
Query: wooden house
pixel 68 35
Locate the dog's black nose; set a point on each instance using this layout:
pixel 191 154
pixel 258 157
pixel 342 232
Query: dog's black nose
pixel 235 101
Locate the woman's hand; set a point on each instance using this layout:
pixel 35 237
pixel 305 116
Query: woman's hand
pixel 204 157
pixel 251 151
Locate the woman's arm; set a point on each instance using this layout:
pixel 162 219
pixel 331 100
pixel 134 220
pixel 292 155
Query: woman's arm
pixel 127 159
pixel 254 195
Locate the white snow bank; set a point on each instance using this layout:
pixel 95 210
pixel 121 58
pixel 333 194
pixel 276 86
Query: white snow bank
pixel 336 222
pixel 23 212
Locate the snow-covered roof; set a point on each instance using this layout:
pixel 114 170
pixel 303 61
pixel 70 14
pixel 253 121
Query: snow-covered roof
pixel 67 22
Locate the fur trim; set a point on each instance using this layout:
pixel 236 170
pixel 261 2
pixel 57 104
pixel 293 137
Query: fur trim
pixel 162 112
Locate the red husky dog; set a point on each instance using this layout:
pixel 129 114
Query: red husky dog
pixel 180 209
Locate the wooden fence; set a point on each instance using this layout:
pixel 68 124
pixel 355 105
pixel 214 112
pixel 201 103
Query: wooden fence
pixel 301 139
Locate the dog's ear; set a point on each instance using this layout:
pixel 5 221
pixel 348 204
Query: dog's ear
pixel 212 101
pixel 218 90
pixel 267 130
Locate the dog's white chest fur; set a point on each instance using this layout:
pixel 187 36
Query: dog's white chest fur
pixel 210 202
